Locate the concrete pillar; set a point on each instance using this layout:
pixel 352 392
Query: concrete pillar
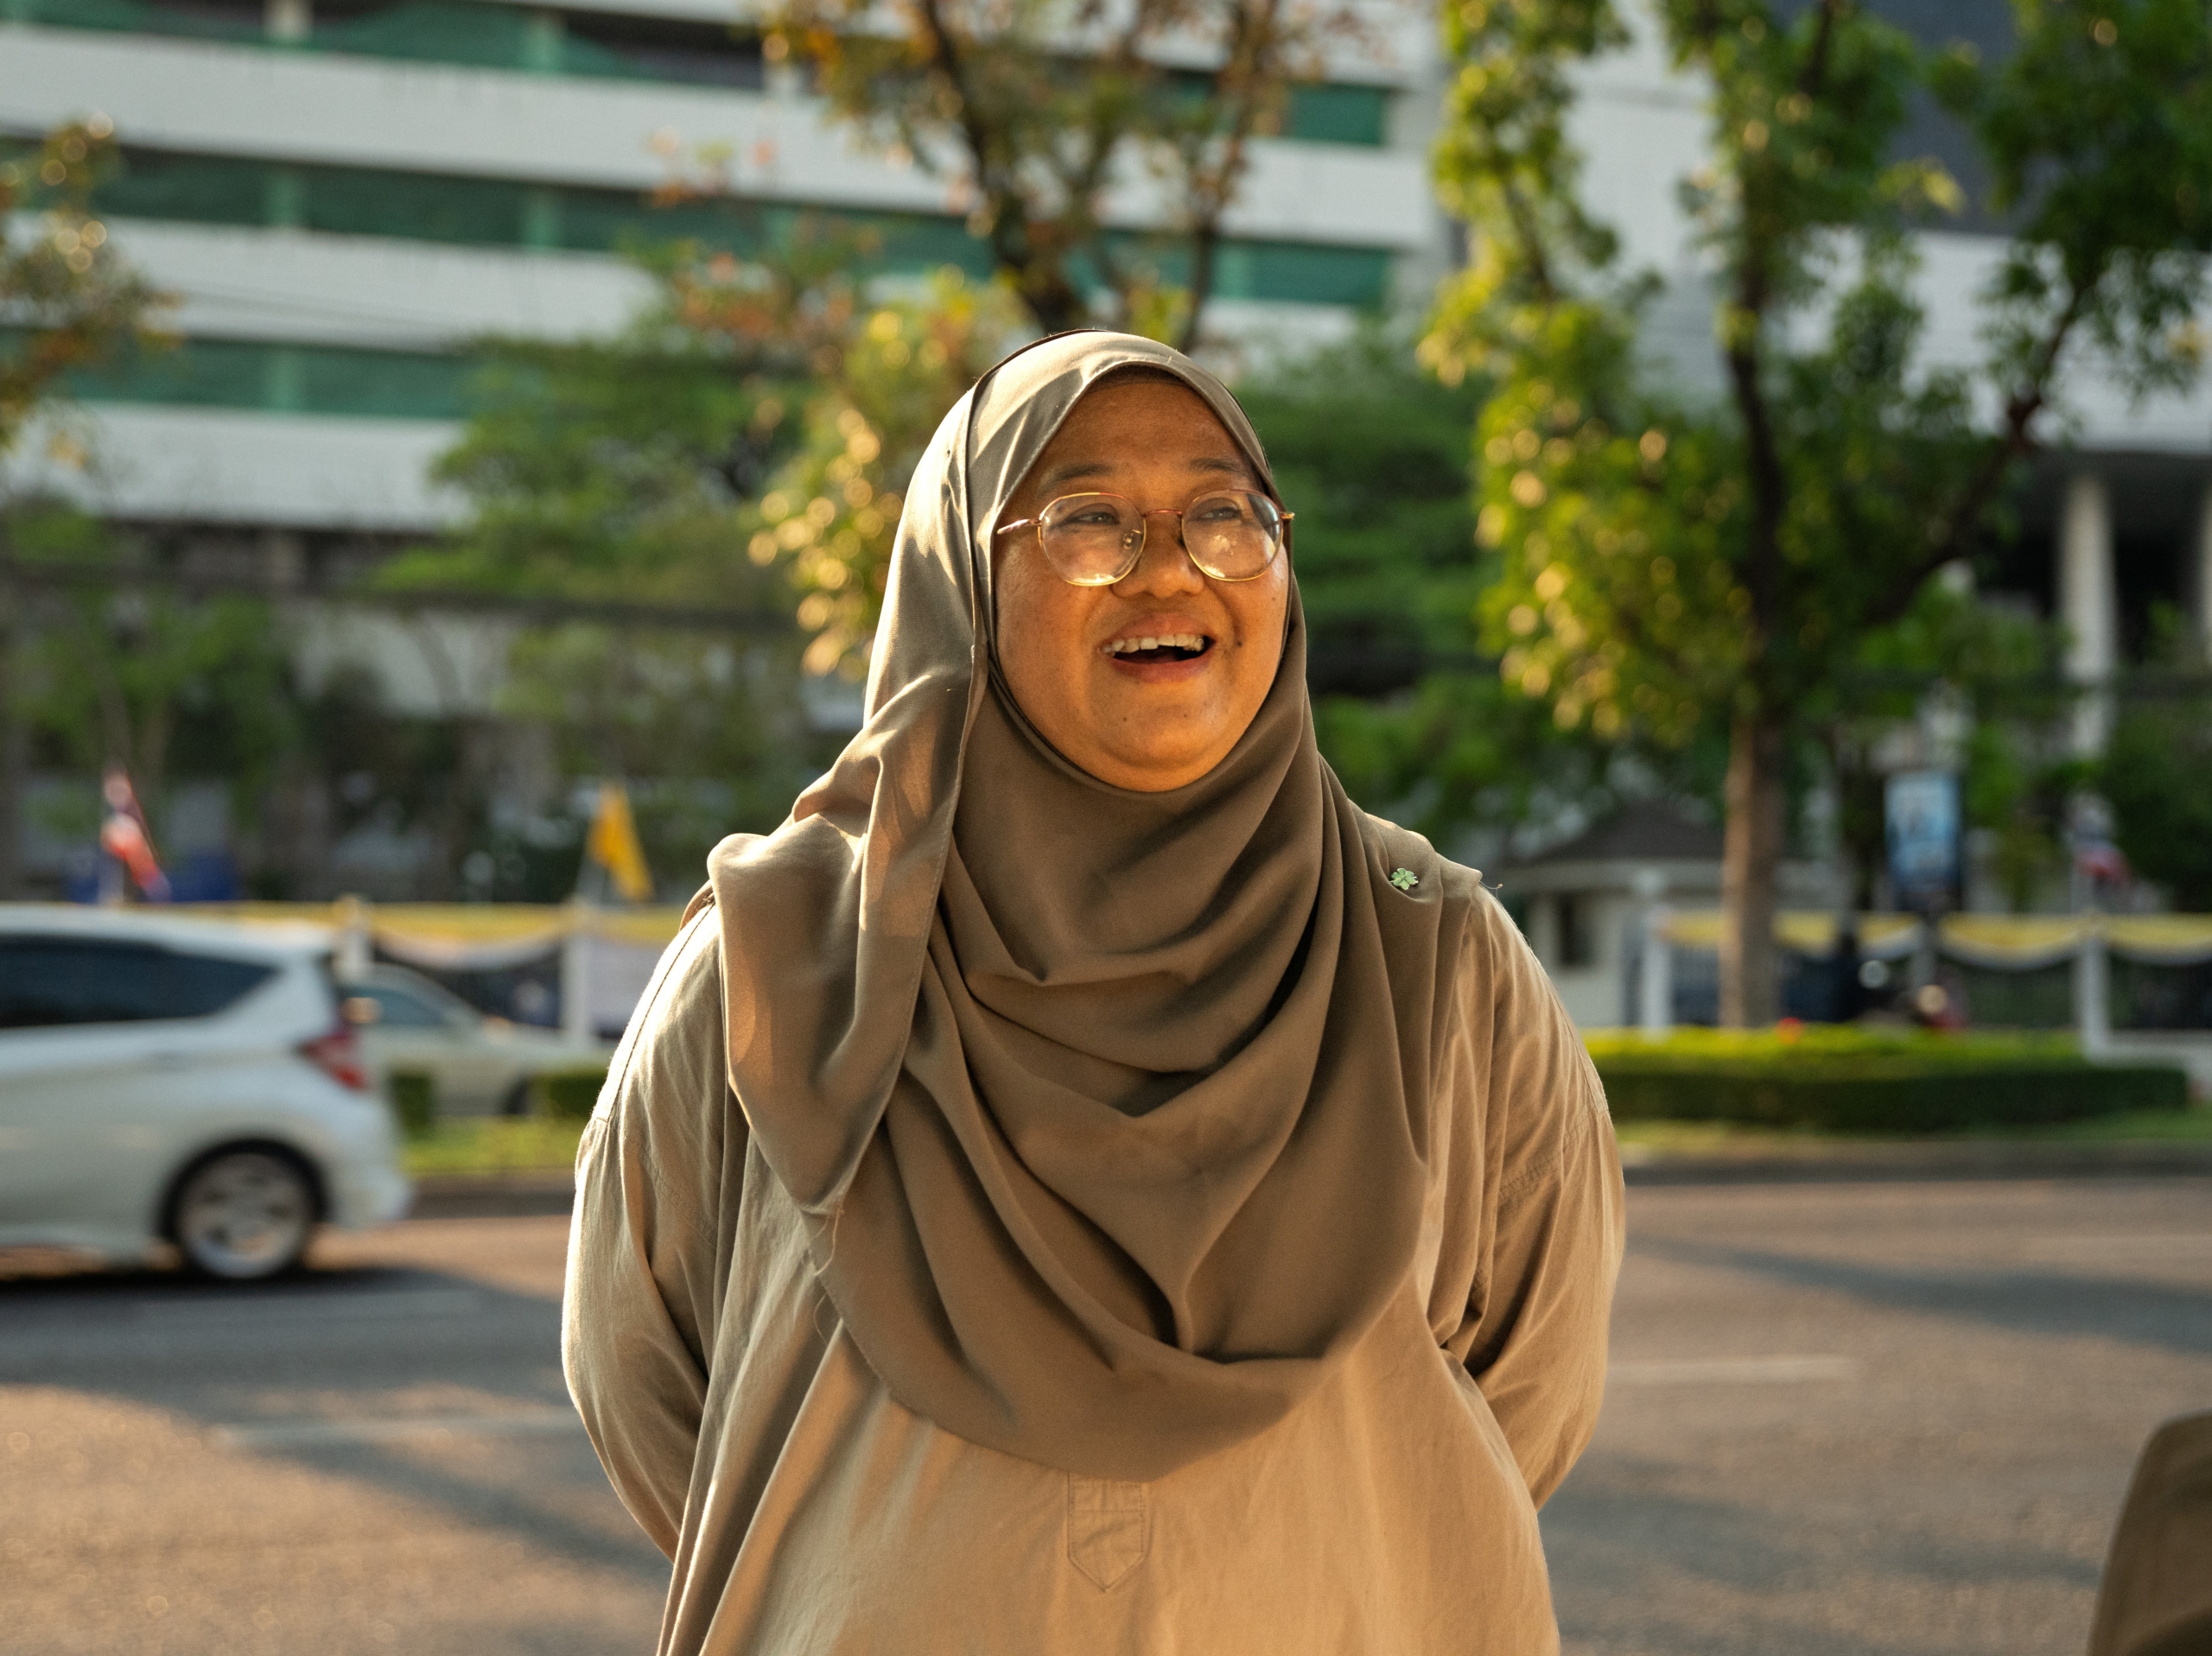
pixel 1655 978
pixel 2201 588
pixel 291 21
pixel 2092 1010
pixel 2088 603
pixel 1544 929
pixel 575 974
pixel 355 950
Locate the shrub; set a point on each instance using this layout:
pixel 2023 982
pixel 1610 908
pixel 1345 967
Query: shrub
pixel 415 1102
pixel 567 1094
pixel 1845 1079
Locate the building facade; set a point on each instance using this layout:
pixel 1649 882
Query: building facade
pixel 342 194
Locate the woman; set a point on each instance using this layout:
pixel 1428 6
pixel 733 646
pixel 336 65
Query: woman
pixel 1081 1184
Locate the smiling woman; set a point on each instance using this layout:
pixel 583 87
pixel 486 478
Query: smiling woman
pixel 1081 1184
pixel 1146 680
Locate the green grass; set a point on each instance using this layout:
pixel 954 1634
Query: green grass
pixel 2192 1125
pixel 495 1145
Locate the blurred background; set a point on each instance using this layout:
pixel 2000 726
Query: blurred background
pixel 1752 463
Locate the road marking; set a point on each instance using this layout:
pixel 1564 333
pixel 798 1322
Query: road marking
pixel 284 1307
pixel 1732 1371
pixel 2181 1245
pixel 308 1434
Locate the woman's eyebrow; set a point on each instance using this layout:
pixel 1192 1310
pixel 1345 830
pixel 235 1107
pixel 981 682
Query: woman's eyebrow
pixel 1069 471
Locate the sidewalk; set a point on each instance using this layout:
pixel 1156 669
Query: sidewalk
pixel 512 1195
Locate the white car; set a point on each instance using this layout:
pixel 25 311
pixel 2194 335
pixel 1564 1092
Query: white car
pixel 477 1065
pixel 182 1081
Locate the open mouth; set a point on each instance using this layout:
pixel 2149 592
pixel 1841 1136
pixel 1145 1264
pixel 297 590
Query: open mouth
pixel 1180 646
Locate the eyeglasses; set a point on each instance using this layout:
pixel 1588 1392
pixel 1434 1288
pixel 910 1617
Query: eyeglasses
pixel 1094 540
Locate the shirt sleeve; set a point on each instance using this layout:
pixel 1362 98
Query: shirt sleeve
pixel 647 1261
pixel 1550 1231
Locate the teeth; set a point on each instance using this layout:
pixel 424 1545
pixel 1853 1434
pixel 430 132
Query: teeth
pixel 1171 641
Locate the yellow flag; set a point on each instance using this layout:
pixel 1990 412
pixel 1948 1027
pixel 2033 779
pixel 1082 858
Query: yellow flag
pixel 612 844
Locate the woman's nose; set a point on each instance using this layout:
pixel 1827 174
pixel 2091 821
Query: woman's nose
pixel 1163 566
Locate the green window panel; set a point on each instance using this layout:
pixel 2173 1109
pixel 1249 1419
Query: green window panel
pixel 212 21
pixel 418 207
pixel 1334 113
pixel 390 384
pixel 606 221
pixel 188 189
pixel 1289 272
pixel 635 47
pixel 290 379
pixel 495 213
pixel 1301 273
pixel 584 44
pixel 202 373
pixel 473 36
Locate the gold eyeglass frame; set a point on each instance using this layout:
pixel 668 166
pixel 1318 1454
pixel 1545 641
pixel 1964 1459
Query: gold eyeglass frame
pixel 1144 537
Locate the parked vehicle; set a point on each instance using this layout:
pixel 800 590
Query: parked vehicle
pixel 182 1081
pixel 477 1065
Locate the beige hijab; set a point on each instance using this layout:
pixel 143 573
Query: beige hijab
pixel 1109 1110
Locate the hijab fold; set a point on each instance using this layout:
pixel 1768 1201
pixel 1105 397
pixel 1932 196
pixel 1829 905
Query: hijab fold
pixel 1109 1109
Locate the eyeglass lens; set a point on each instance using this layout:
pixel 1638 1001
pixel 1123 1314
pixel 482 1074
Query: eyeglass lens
pixel 1094 540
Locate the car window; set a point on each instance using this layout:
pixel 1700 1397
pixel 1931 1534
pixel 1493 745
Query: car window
pixel 397 1009
pixel 49 982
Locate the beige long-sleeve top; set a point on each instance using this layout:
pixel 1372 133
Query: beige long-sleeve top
pixel 808 1513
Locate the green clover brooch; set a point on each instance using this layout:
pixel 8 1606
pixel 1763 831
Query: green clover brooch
pixel 1404 878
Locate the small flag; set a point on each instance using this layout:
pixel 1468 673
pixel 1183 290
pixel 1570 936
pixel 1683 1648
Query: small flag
pixel 124 835
pixel 612 844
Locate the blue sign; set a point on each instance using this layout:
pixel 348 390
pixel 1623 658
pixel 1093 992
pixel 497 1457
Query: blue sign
pixel 1926 840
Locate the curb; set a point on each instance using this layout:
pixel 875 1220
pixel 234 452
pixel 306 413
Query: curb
pixel 1948 1159
pixel 493 1195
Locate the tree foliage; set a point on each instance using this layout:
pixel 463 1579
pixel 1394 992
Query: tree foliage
pixel 749 434
pixel 67 300
pixel 67 297
pixel 2156 772
pixel 1034 114
pixel 166 684
pixel 1668 560
pixel 1370 452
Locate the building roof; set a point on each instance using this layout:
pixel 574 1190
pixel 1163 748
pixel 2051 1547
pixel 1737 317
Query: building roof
pixel 1644 830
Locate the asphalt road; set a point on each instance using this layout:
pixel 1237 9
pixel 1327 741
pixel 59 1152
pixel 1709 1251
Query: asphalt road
pixel 1877 1418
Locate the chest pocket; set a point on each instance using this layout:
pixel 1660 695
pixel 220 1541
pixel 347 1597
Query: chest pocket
pixel 1109 1528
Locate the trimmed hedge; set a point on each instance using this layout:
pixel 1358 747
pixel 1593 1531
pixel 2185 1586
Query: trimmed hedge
pixel 1827 1079
pixel 1824 1079
pixel 414 1100
pixel 567 1094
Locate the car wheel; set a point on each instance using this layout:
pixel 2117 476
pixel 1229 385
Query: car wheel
pixel 243 1215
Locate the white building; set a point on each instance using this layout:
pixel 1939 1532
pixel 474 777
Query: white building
pixel 343 193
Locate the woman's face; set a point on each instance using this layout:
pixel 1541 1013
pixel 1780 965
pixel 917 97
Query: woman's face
pixel 1146 725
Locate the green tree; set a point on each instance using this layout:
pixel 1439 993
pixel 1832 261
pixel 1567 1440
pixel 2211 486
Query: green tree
pixel 741 447
pixel 2156 772
pixel 163 683
pixel 67 300
pixel 1032 114
pixel 1669 562
pixel 1371 451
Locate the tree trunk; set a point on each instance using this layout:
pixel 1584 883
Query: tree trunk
pixel 1751 868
